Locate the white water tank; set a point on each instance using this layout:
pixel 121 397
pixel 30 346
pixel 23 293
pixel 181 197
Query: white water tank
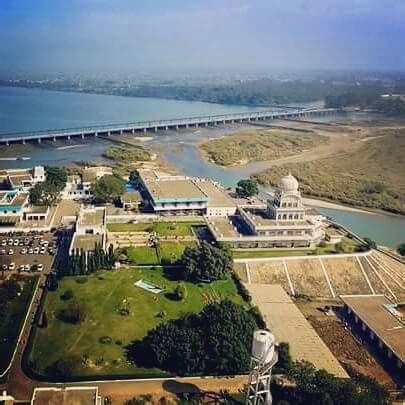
pixel 263 346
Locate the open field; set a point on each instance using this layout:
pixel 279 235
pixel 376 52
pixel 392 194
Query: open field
pixel 161 228
pixel 12 320
pixel 369 174
pixel 307 278
pixel 104 295
pixel 374 273
pixel 259 145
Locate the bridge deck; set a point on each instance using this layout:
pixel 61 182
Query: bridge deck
pixel 7 138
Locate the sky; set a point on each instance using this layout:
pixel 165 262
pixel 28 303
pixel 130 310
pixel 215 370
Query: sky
pixel 114 36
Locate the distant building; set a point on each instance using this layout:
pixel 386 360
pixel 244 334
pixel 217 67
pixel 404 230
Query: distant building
pixel 78 187
pixel 131 200
pixel 182 195
pixel 284 223
pixel 12 205
pixel 21 179
pixel 382 322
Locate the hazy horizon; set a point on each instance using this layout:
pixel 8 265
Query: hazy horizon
pixel 101 36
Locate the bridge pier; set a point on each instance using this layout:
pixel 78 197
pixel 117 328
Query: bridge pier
pixel 177 127
pixel 196 124
pixel 39 140
pixel 132 130
pixel 144 130
pixel 68 137
pixel 23 141
pixel 206 124
pixel 166 128
pixel 156 129
pixel 96 134
pixel 82 135
pixel 54 138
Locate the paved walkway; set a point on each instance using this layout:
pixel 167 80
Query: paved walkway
pixel 289 325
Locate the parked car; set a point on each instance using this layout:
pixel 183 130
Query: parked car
pixel 30 251
pixel 11 266
pixel 11 252
pixel 4 267
pixel 26 267
pixel 2 252
pixel 36 250
pixel 3 242
pixel 23 251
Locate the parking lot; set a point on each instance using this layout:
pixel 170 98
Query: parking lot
pixel 28 253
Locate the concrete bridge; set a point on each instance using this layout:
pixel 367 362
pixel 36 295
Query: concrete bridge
pixel 154 126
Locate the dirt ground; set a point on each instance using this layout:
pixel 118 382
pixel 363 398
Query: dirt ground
pixel 342 343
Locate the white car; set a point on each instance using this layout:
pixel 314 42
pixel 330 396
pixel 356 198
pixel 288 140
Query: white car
pixel 11 266
pixel 36 250
pixel 16 242
pixel 21 267
pixel 43 251
pixel 23 251
pixel 11 252
pixel 3 242
pixel 30 251
pixel 40 267
pixel 26 267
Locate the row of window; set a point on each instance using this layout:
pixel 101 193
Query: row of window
pixel 290 216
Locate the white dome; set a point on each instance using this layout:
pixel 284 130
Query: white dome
pixel 289 184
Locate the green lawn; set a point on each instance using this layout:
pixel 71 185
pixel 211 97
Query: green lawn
pixel 127 227
pixel 142 255
pixel 11 322
pixel 171 252
pixel 165 253
pixel 161 228
pixel 104 294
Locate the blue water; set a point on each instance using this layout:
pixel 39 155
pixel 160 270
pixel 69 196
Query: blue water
pixel 34 109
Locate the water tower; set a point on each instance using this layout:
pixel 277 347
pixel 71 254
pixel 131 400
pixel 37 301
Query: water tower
pixel 263 358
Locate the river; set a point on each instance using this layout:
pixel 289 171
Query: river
pixel 34 109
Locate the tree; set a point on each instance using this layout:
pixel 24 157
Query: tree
pixel 107 188
pixel 52 282
pixel 74 313
pixel 134 178
pixel 247 188
pixel 401 249
pixel 11 289
pixel 206 263
pixel 56 176
pixel 216 341
pixel 44 321
pixel 370 243
pixel 44 193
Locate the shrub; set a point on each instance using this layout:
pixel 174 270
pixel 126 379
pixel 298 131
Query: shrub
pixel 105 340
pixel 242 290
pixel 67 295
pixel 74 313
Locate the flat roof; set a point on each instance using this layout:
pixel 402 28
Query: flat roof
pixel 65 396
pixel 175 190
pixel 92 217
pixel 131 196
pixel 223 227
pixel 85 242
pixel 381 316
pixel 289 325
pixel 216 196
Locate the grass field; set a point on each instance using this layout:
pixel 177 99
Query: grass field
pixel 165 253
pixel 161 228
pixel 370 176
pixel 11 322
pixel 104 294
pixel 259 145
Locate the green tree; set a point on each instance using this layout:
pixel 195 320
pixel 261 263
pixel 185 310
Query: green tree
pixel 371 244
pixel 401 249
pixel 134 178
pixel 44 193
pixel 247 188
pixel 107 189
pixel 216 341
pixel 206 263
pixel 56 176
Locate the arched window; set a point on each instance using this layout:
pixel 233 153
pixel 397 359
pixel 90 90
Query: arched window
pixel 284 216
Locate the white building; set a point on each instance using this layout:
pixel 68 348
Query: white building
pixel 284 223
pixel 182 195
